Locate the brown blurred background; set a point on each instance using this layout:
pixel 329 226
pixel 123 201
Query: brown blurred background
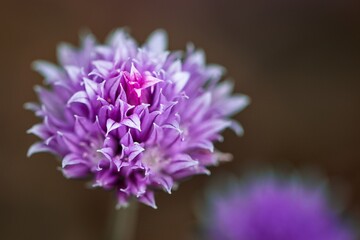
pixel 299 61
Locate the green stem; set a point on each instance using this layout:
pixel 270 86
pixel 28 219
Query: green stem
pixel 124 222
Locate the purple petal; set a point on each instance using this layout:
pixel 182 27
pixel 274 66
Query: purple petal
pixel 49 71
pixel 39 130
pixel 165 182
pixel 157 41
pixel 111 125
pixel 148 199
pixel 102 68
pixel 37 148
pixel 132 121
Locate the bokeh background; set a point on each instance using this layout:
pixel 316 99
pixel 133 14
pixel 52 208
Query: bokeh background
pixel 299 61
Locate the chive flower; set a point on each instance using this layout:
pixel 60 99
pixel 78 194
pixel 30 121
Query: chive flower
pixel 272 209
pixel 133 118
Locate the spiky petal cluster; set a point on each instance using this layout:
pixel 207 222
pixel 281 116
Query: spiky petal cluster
pixel 270 209
pixel 133 118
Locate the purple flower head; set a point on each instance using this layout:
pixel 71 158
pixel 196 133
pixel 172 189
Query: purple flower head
pixel 133 118
pixel 270 209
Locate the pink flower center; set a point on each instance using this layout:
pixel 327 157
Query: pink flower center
pixel 138 82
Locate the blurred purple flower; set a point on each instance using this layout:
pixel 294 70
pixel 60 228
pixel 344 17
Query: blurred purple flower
pixel 269 209
pixel 133 118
